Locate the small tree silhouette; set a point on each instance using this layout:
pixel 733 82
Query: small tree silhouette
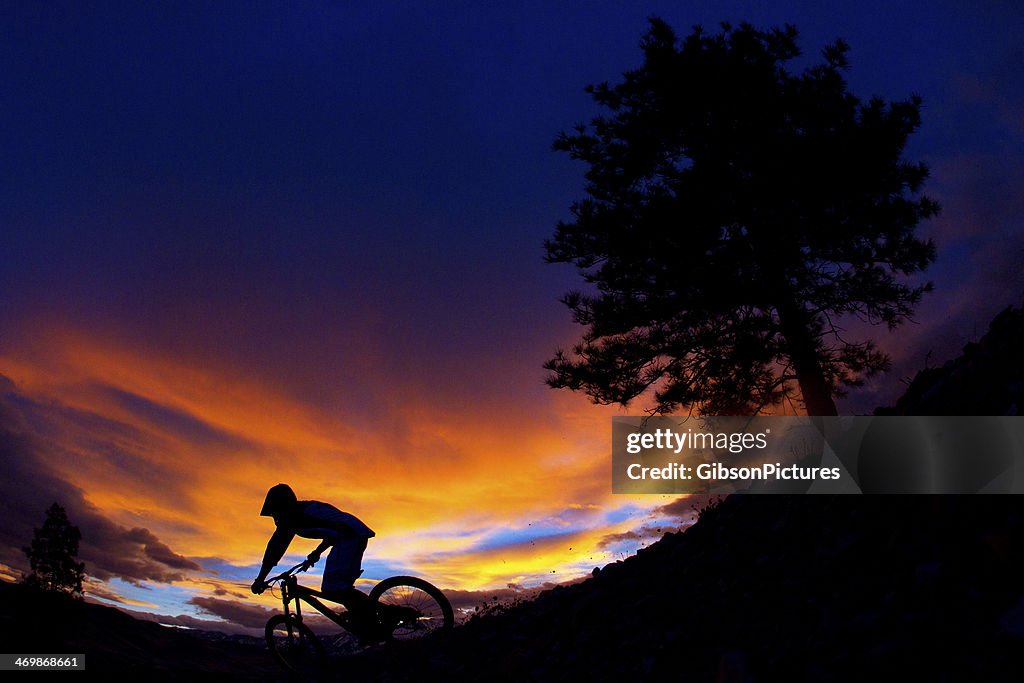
pixel 53 555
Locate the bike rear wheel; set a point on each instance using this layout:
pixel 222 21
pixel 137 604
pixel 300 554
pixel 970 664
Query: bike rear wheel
pixel 294 645
pixel 410 608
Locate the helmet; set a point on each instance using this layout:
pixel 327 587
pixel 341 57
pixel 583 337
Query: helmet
pixel 279 499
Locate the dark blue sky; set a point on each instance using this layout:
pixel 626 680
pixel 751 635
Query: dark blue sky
pixel 232 181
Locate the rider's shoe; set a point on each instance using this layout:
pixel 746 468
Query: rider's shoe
pixel 367 633
pixel 360 621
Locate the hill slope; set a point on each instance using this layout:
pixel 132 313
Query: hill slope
pixel 39 623
pixel 770 588
pixel 986 379
pixel 761 588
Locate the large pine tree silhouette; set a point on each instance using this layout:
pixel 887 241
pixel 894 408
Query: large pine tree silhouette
pixel 736 214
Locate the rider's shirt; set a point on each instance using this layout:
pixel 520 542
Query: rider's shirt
pixel 312 519
pixel 321 520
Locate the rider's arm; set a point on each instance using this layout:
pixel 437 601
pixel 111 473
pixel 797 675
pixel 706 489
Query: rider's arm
pixel 315 555
pixel 276 547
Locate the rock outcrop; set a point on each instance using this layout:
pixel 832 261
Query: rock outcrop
pixel 987 379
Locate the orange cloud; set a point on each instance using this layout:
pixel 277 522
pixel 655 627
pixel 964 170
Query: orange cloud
pixel 185 451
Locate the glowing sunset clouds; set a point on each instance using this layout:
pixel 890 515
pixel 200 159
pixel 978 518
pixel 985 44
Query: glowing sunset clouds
pixel 474 498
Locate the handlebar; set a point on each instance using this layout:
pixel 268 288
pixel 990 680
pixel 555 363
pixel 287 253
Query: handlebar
pixel 300 567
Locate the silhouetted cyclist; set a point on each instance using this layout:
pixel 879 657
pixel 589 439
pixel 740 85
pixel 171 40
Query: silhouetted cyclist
pixel 340 531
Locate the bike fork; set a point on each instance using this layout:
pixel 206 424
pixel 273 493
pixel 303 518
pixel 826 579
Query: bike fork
pixel 288 618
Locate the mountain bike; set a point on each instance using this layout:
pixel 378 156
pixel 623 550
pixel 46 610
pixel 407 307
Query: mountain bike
pixel 398 608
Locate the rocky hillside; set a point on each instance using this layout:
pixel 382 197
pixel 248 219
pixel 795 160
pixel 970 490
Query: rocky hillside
pixel 987 379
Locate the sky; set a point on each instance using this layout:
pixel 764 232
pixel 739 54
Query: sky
pixel 244 243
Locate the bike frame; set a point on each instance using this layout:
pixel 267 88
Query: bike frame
pixel 380 621
pixel 292 591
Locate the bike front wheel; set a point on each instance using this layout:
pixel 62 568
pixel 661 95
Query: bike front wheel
pixel 410 608
pixel 294 645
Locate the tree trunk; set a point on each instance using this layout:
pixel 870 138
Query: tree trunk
pixel 795 325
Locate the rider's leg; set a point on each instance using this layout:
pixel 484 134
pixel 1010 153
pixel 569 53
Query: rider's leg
pixel 344 564
pixel 342 569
